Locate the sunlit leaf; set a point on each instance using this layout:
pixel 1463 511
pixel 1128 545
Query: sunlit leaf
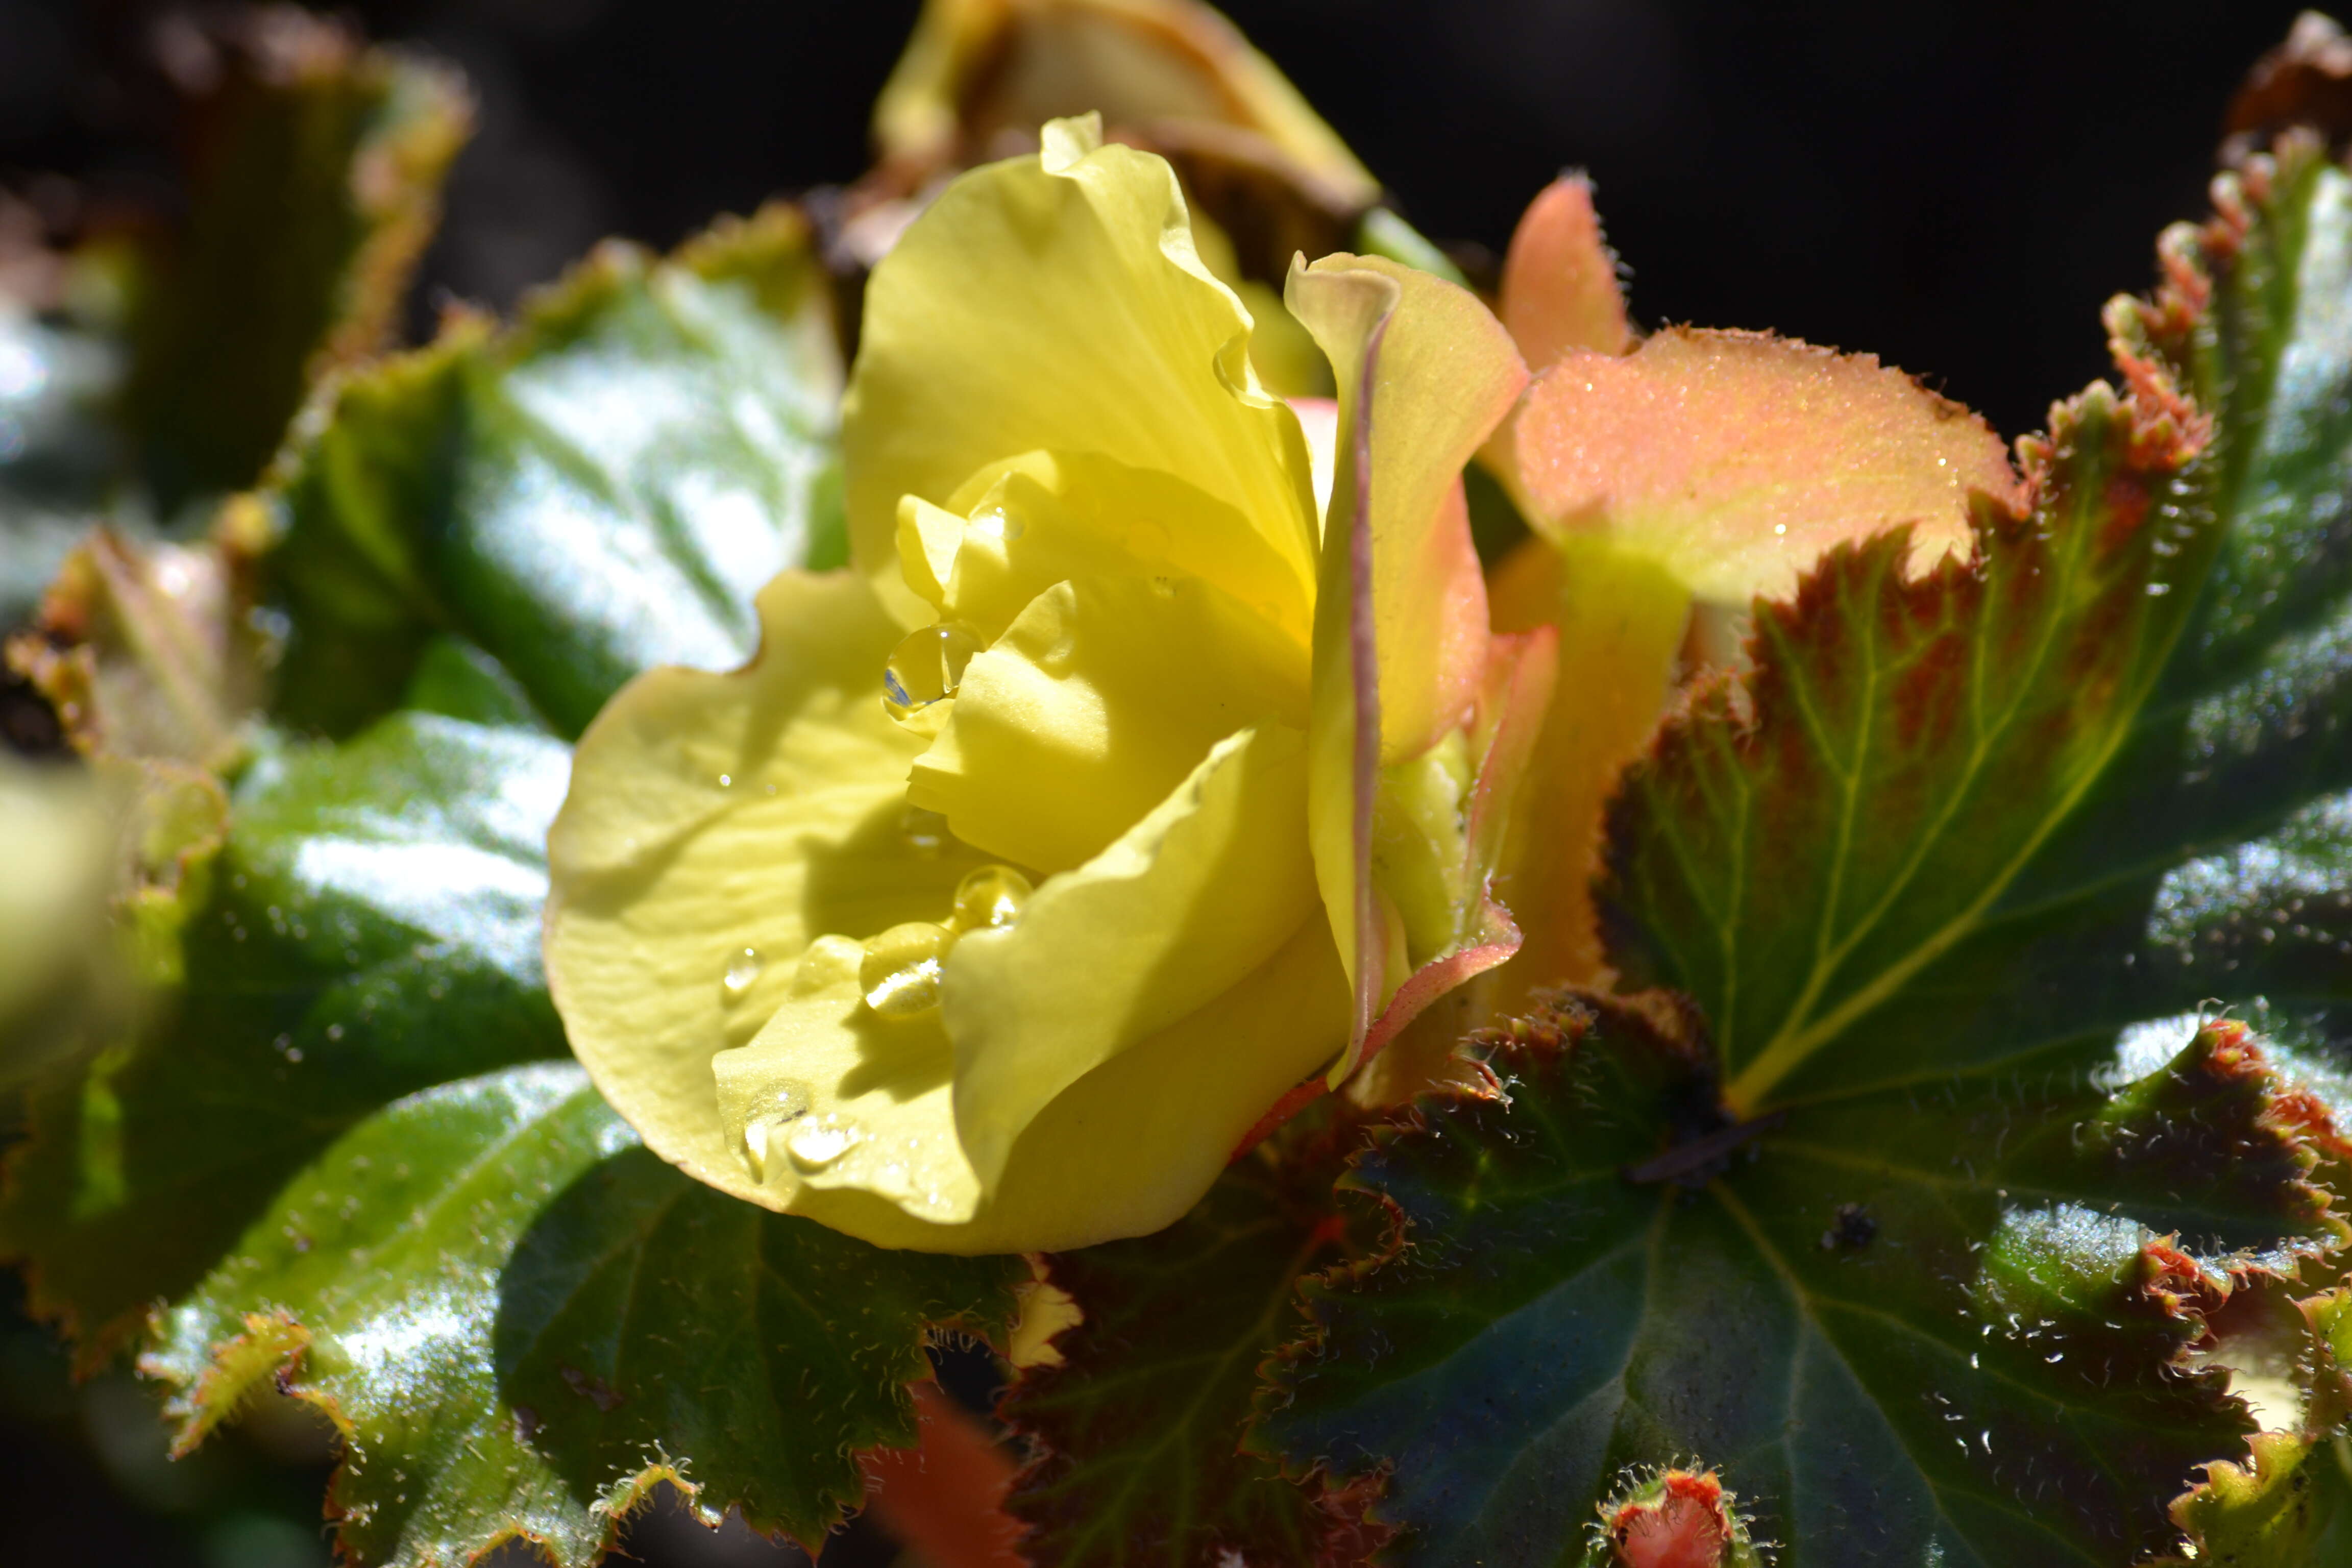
pixel 602 488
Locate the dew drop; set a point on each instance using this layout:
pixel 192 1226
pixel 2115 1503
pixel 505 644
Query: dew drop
pixel 784 1107
pixel 925 833
pixel 726 781
pixel 901 972
pixel 814 1145
pixel 996 523
pixel 1779 528
pixel 989 899
pixel 743 969
pixel 927 667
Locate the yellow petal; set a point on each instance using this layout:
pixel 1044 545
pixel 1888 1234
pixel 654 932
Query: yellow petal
pixel 1734 459
pixel 1055 303
pixel 713 816
pixel 1197 896
pixel 1425 373
pixel 829 1098
pixel 1559 278
pixel 1098 701
pixel 1042 518
pixel 1123 1151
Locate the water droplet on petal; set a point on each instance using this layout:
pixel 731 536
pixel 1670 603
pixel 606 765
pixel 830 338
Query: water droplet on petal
pixel 927 667
pixel 726 781
pixel 785 1106
pixel 812 1145
pixel 901 972
pixel 743 969
pixel 989 899
pixel 925 832
pixel 995 522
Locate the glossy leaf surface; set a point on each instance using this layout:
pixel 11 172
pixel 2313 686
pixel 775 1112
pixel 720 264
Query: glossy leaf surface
pixel 373 931
pixel 601 489
pixel 514 1314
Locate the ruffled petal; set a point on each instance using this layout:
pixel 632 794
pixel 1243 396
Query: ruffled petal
pixel 1198 894
pixel 1021 526
pixel 1055 302
pixel 717 824
pixel 1098 701
pixel 1734 458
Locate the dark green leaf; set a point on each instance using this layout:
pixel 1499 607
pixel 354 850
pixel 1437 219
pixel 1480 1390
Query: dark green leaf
pixel 520 1320
pixel 373 930
pixel 602 488
pixel 1906 1326
pixel 1139 1422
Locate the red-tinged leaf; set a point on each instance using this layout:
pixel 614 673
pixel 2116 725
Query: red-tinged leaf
pixel 1139 1423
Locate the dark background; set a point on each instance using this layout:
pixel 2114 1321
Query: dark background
pixel 1955 186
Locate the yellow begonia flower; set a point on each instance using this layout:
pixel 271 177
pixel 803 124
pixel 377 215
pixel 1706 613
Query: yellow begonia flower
pixel 1684 474
pixel 1174 796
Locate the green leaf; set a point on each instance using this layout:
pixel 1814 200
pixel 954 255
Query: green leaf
pixel 1960 798
pixel 373 930
pixel 520 1320
pixel 1867 1226
pixel 1138 1421
pixel 315 167
pixel 601 489
pixel 1912 1326
pixel 2292 1504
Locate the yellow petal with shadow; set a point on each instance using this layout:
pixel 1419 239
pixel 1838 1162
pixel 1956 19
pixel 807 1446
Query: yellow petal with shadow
pixel 1098 700
pixel 1195 897
pixel 830 1097
pixel 1056 302
pixel 1125 1150
pixel 717 824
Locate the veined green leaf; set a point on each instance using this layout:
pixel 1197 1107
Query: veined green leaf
pixel 519 1321
pixel 601 489
pixel 1139 1416
pixel 1948 807
pixel 1885 1229
pixel 1913 1326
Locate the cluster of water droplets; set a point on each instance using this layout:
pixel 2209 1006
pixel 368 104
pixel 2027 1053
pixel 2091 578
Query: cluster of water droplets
pixel 899 977
pixel 900 972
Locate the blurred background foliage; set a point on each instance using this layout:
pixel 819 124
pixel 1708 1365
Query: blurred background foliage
pixel 1954 185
